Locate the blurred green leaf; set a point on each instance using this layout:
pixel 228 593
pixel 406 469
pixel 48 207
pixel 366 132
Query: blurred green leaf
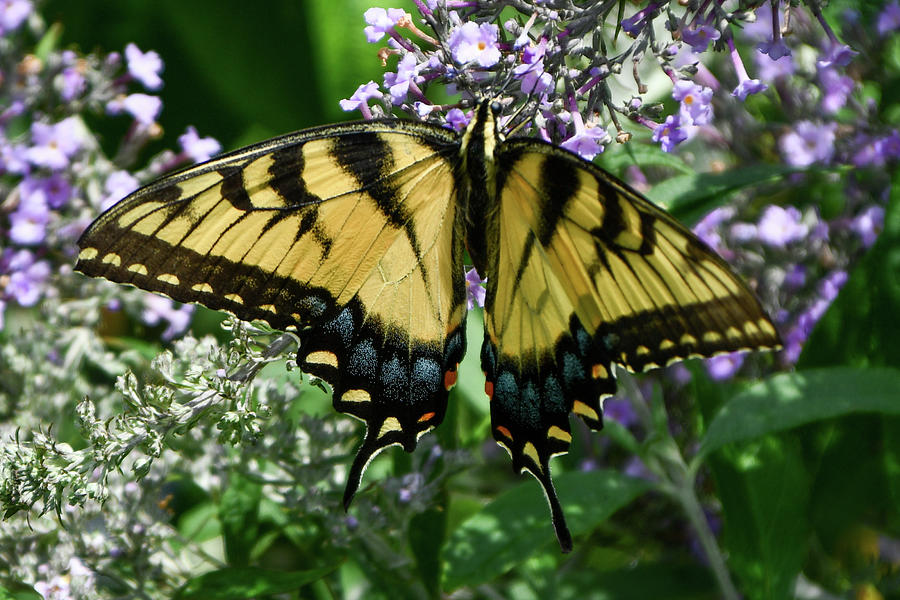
pixel 517 524
pixel 763 489
pixel 621 156
pixel 247 582
pixel 788 400
pixel 689 197
pixel 427 532
pixel 239 515
pixel 643 580
pixel 15 590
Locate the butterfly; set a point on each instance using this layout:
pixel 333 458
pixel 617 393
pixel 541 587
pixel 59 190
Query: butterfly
pixel 354 236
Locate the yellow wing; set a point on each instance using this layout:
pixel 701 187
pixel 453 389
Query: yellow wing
pixel 585 274
pixel 348 234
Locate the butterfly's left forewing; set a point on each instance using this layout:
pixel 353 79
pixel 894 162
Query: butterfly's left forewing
pixel 585 275
pixel 349 235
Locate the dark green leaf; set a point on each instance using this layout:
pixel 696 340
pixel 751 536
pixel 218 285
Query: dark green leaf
pixel 247 582
pixel 789 400
pixel 427 532
pixel 691 196
pixel 763 488
pixel 617 159
pixel 239 515
pixel 15 590
pixel 517 524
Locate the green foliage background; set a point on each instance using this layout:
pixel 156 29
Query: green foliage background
pixel 805 465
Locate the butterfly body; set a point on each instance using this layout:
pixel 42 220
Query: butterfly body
pixel 354 236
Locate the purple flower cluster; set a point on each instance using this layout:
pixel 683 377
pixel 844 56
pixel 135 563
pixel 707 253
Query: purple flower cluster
pixel 55 178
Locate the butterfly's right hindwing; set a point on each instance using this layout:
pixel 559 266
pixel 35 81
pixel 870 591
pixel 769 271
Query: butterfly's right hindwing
pixel 349 235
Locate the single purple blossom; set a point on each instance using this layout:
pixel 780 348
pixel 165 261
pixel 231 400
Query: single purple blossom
pixel 198 148
pixel 775 49
pixel 159 308
pixel 472 42
pixel 398 83
pixel 724 366
pixel 889 18
pixel 836 89
pixel 13 13
pixel 55 191
pixel 28 223
pixel 381 21
pixel 636 22
pixel 27 284
pixel 837 55
pixel 620 410
pixel 588 140
pixel 670 133
pixel 746 86
pixel 144 66
pixel 699 37
pixel 761 29
pixel 143 107
pixel 71 83
pixel 707 229
pixel 808 143
pixel 696 102
pixel 359 99
pixel 831 285
pixel 13 157
pixel 118 185
pixel 457 119
pixel 475 291
pixel 795 276
pixel 779 226
pixel 54 145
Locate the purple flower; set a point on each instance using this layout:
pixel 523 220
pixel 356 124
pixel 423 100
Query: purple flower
pixel 836 88
pixel 699 37
pixel 831 285
pixel 159 308
pixel 808 143
pixel 13 157
pixel 838 55
pixel 868 224
pixel 696 102
pixel 707 228
pixel 475 290
pixel 13 13
pixel 588 140
pixel 724 366
pixel 54 145
pixel 620 410
pixel 778 226
pixel 144 66
pixel 475 43
pixel 54 191
pixel 118 185
pixel 746 86
pixel 27 278
pixel 670 133
pixel 359 99
pixel 71 83
pixel 775 49
pixel 457 119
pixel 381 21
pixel 889 18
pixel 198 148
pixel 398 83
pixel 761 29
pixel 143 107
pixel 28 224
pixel 534 79
pixel 795 277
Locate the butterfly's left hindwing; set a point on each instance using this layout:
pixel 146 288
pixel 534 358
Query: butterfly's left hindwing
pixel 349 235
pixel 585 274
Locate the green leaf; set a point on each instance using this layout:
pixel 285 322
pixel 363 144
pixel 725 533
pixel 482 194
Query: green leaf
pixel 764 489
pixel 861 325
pixel 247 582
pixel 789 400
pixel 427 532
pixel 616 160
pixel 239 515
pixel 16 590
pixel 689 197
pixel 517 524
